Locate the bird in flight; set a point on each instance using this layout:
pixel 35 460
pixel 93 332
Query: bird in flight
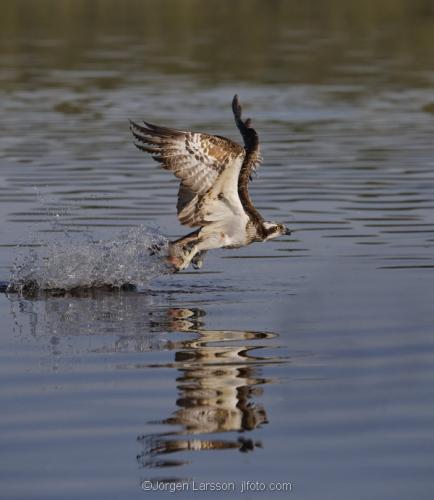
pixel 213 193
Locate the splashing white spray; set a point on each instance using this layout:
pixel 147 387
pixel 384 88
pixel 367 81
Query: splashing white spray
pixel 132 258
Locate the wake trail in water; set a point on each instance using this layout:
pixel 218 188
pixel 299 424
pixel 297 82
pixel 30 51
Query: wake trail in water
pixel 131 259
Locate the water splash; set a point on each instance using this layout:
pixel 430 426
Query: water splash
pixel 131 259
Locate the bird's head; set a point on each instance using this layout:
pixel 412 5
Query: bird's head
pixel 274 230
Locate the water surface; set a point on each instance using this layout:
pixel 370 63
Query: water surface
pixel 308 359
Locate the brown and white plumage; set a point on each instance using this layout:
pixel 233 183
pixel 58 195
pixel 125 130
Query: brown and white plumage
pixel 198 160
pixel 213 193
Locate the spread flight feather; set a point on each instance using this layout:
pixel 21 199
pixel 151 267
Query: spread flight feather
pixel 214 174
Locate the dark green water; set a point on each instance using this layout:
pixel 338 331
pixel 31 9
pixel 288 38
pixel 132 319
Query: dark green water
pixel 307 360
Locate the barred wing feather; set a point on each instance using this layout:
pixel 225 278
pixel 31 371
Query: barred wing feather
pixel 201 161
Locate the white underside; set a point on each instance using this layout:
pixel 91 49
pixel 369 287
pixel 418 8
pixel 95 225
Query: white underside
pixel 223 215
pixel 228 233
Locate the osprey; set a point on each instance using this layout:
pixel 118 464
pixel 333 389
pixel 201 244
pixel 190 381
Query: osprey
pixel 213 194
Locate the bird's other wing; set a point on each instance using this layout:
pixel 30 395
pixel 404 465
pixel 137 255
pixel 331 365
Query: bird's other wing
pixel 251 161
pixel 198 160
pixel 250 137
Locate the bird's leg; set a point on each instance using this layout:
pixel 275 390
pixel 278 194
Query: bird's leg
pixel 194 251
pixel 197 260
pixel 181 249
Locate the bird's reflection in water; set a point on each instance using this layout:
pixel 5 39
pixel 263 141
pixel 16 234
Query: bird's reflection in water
pixel 219 379
pixel 218 372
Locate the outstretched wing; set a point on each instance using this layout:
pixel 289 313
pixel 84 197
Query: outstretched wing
pixel 250 137
pixel 198 160
pixel 251 161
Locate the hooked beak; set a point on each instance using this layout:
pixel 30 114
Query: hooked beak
pixel 287 231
